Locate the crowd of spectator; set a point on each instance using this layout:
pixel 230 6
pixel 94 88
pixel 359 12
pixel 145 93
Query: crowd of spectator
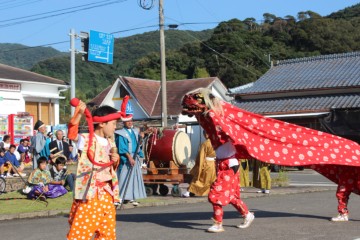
pixel 52 153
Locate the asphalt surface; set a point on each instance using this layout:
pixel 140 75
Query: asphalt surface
pixel 288 216
pixel 300 211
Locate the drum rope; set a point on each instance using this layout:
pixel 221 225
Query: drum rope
pixel 153 141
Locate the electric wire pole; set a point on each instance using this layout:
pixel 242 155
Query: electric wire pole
pixel 72 66
pixel 163 66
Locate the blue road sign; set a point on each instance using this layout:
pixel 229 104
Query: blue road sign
pixel 101 47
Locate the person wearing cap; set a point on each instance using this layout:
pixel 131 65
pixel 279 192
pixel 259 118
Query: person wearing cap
pixel 38 141
pixel 23 150
pixel 131 185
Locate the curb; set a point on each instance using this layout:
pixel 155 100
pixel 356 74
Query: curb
pixel 165 201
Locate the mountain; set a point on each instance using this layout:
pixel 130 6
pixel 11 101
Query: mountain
pixel 347 13
pixel 22 56
pixel 92 78
pixel 236 51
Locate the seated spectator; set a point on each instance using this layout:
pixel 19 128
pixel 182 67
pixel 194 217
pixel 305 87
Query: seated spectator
pixel 72 157
pixel 61 175
pixel 5 143
pixel 42 185
pixel 11 163
pixel 2 162
pixel 23 150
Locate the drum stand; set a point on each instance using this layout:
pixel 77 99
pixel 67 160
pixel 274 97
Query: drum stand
pixel 171 175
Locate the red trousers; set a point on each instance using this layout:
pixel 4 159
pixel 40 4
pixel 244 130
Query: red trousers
pixel 342 194
pixel 348 182
pixel 226 190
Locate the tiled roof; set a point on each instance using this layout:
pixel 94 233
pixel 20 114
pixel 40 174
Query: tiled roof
pixel 12 73
pixel 148 93
pixel 145 91
pixel 100 97
pixel 292 105
pixel 175 92
pixel 321 72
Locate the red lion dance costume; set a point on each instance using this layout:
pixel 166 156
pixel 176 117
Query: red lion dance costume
pixel 271 141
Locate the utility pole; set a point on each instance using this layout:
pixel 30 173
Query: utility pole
pixel 72 66
pixel 163 66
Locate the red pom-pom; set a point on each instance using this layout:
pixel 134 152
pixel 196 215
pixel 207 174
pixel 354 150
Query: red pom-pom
pixel 74 102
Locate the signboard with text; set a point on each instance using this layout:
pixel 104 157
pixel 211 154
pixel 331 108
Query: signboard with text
pixel 101 47
pixel 13 87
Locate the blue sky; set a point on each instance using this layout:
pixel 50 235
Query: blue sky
pixel 126 14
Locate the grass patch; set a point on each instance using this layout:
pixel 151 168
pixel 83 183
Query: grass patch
pixel 282 179
pixel 16 202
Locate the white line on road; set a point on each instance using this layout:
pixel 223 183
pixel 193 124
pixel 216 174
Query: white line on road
pixel 313 184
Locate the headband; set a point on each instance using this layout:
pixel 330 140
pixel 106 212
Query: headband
pixel 107 118
pixel 91 119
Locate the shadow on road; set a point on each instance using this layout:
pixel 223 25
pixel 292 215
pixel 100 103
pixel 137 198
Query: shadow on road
pixel 190 220
pixel 185 220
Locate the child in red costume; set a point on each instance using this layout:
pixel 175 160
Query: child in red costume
pixel 225 189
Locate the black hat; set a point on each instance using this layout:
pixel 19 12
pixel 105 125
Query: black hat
pixel 38 124
pixel 49 134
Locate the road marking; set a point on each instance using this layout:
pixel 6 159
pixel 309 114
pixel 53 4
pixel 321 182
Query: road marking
pixel 313 184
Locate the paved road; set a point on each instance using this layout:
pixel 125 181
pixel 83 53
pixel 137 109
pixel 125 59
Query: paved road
pixel 308 177
pixel 296 216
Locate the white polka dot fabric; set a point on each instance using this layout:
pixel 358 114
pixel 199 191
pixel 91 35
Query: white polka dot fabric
pixel 277 142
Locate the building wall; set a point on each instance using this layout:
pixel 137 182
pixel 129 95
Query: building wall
pixel 40 100
pixel 41 110
pixel 116 101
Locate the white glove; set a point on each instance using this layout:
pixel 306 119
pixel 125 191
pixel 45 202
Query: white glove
pixel 233 162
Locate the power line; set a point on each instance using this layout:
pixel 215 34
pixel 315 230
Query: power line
pixel 58 14
pixel 19 4
pixel 221 54
pixel 66 41
pixel 127 30
pixel 59 10
pixel 250 48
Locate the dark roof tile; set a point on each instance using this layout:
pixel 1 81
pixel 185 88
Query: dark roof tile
pixel 12 73
pixel 96 101
pixel 148 93
pixel 291 105
pixel 322 72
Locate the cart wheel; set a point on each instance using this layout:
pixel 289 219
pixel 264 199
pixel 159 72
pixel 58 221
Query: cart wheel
pixel 163 189
pixel 176 191
pixel 2 185
pixel 149 191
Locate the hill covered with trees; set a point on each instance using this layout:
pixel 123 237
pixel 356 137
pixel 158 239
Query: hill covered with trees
pixel 237 51
pixel 22 56
pixel 91 78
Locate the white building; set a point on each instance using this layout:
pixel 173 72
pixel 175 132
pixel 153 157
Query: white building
pixel 24 91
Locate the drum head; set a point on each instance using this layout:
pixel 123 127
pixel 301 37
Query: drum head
pixel 181 148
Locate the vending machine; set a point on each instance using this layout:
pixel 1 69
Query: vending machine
pixel 20 126
pixel 4 126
